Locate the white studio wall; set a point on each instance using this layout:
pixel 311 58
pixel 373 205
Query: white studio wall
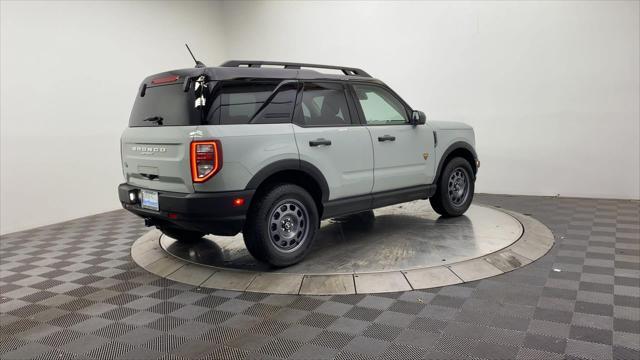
pixel 70 71
pixel 552 88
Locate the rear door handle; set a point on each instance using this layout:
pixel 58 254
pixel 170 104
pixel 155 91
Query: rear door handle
pixel 318 142
pixel 386 138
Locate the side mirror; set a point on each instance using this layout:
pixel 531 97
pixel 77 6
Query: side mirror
pixel 418 118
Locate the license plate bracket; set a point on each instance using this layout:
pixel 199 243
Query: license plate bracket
pixel 149 200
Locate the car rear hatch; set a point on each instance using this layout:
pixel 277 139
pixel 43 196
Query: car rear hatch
pixel 155 146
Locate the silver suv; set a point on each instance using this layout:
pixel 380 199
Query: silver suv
pixel 271 148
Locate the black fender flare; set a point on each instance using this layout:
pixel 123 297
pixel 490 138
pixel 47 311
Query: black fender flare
pixel 453 147
pixel 290 164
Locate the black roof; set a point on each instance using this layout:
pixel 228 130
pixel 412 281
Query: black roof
pixel 256 69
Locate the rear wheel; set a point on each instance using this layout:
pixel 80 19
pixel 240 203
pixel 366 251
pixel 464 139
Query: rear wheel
pixel 281 225
pixel 181 234
pixel 455 188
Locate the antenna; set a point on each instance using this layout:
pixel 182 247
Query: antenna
pixel 199 64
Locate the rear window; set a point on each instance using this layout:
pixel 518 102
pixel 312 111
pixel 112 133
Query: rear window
pixel 169 103
pixel 252 102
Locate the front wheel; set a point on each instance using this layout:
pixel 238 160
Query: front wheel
pixel 281 225
pixel 455 189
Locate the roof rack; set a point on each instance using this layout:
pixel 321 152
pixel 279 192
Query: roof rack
pixel 289 65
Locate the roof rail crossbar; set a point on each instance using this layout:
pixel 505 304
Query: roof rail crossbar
pixel 289 65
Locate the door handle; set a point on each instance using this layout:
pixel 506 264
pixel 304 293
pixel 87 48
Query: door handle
pixel 386 138
pixel 318 142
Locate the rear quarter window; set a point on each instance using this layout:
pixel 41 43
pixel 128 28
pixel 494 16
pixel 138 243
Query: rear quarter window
pixel 252 102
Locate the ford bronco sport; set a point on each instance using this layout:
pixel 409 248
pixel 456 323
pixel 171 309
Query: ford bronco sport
pixel 269 149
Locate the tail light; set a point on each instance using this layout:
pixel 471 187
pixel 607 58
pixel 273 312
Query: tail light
pixel 166 79
pixel 206 159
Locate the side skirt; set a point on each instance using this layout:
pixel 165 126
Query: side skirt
pixel 355 204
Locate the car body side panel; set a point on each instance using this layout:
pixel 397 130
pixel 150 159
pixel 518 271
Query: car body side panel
pixel 447 137
pixel 246 149
pixel 347 164
pixel 406 161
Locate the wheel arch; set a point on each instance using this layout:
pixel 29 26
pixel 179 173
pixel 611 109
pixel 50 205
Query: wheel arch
pixel 458 149
pixel 294 171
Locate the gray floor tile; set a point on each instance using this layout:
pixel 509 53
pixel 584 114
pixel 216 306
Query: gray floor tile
pixel 83 295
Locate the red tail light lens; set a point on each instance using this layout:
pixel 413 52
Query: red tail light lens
pixel 166 79
pixel 206 159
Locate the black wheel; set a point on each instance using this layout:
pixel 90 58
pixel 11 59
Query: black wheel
pixel 281 225
pixel 181 234
pixel 455 188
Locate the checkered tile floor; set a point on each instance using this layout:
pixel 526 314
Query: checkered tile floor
pixel 70 290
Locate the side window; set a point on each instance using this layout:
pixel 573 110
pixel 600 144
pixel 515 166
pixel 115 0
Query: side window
pixel 242 102
pixel 379 106
pixel 324 104
pixel 280 107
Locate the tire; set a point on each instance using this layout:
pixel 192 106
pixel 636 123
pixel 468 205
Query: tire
pixel 455 188
pixel 182 235
pixel 281 225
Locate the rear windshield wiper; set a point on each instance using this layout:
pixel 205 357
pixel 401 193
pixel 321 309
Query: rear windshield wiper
pixel 156 119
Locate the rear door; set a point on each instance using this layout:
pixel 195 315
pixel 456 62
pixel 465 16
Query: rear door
pixel 328 137
pixel 155 146
pixel 403 153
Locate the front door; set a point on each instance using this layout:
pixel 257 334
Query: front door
pixel 328 139
pixel 403 154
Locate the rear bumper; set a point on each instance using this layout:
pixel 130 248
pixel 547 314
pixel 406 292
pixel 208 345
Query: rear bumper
pixel 211 213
